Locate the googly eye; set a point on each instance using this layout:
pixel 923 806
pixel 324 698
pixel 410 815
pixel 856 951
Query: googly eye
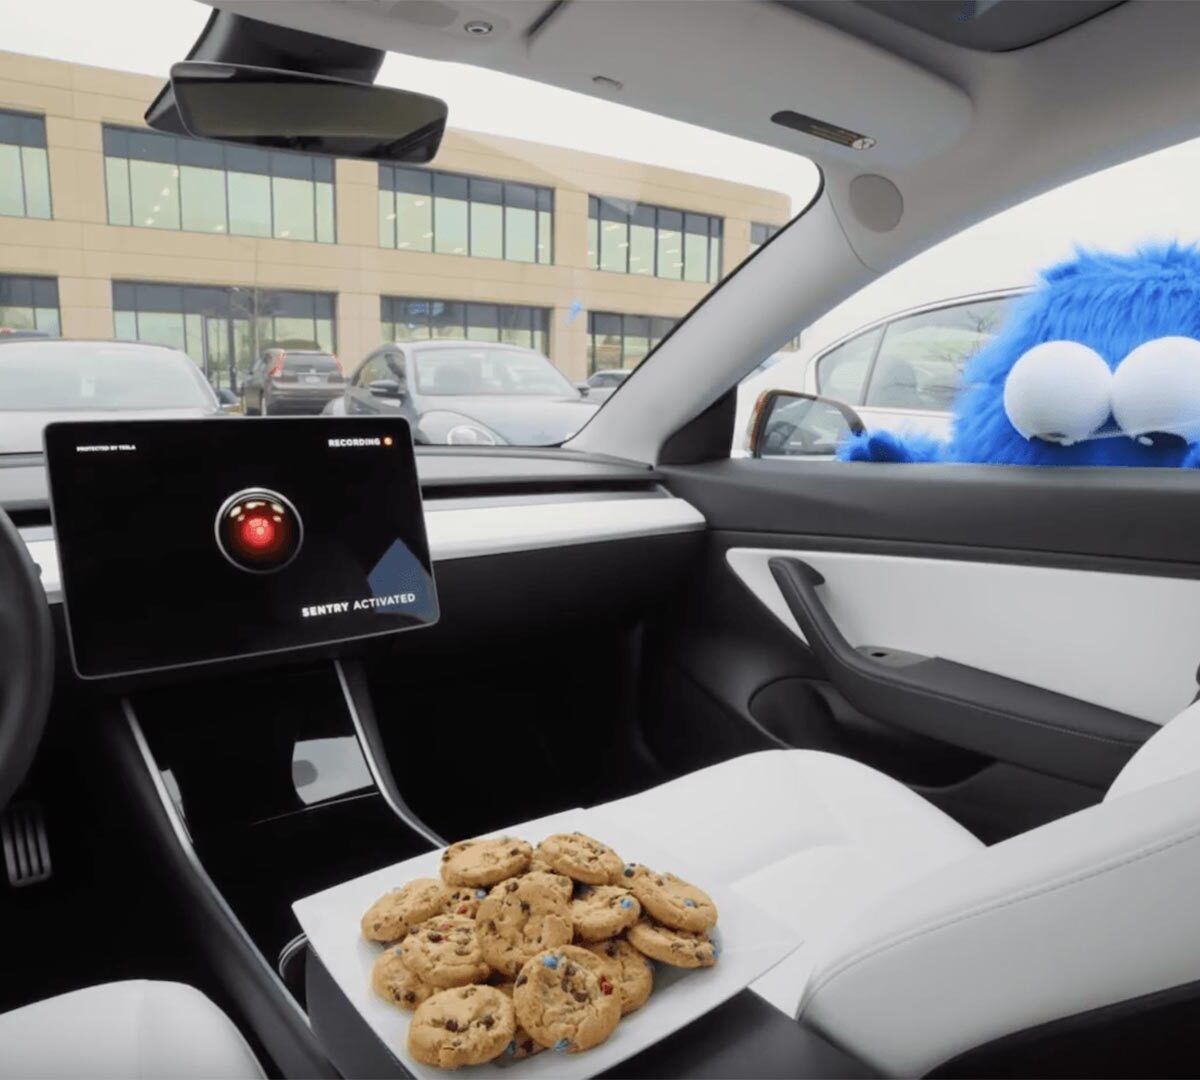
pixel 1156 390
pixel 1059 391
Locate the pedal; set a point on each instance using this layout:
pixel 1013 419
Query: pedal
pixel 26 846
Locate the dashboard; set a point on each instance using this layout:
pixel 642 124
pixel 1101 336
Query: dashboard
pixel 551 533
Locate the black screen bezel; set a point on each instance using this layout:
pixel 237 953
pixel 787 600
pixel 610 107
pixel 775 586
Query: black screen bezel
pixel 107 431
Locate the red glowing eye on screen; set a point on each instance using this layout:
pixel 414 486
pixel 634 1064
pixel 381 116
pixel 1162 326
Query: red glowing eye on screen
pixel 258 531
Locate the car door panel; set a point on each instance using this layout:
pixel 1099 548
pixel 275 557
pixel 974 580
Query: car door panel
pixel 964 706
pixel 1050 617
pixel 1056 629
pixel 726 677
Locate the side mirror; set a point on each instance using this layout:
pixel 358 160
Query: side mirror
pixel 228 399
pixel 583 388
pixel 788 424
pixel 386 388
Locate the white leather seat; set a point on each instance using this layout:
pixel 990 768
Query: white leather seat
pixel 809 836
pixel 124 1029
pixel 921 943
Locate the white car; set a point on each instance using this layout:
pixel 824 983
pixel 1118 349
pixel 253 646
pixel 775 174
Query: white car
pixel 899 373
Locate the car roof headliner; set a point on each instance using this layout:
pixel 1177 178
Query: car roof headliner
pixel 991 25
pixel 963 133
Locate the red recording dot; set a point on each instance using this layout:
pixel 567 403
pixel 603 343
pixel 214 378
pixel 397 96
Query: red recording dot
pixel 257 531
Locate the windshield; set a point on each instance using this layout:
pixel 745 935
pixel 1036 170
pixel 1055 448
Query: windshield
pixel 61 377
pixel 470 371
pixel 570 226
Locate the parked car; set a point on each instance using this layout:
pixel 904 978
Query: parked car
pixel 11 333
pixel 291 380
pixel 900 373
pixel 46 379
pixel 468 393
pixel 600 385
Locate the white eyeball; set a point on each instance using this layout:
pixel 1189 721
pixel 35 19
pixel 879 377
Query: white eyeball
pixel 1059 391
pixel 1156 388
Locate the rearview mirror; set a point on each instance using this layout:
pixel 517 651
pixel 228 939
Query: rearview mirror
pixel 787 424
pixel 294 110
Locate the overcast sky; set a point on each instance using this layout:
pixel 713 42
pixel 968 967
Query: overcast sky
pixel 1153 197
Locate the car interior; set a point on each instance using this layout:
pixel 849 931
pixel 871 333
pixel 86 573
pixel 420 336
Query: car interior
pixel 940 722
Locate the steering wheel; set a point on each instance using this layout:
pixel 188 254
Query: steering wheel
pixel 26 659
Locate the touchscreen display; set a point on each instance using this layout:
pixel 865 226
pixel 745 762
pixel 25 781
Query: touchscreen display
pixel 186 541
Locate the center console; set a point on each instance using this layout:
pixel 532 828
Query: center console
pixel 285 792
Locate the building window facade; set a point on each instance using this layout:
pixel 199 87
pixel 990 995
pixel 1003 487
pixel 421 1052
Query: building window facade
pixel 407 318
pixel 29 303
pixel 636 238
pixel 623 341
pixel 222 328
pixel 425 210
pixel 157 181
pixel 24 167
pixel 760 234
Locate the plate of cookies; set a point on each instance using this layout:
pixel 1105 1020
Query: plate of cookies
pixel 559 947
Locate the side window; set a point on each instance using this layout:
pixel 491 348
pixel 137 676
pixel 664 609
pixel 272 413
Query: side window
pixel 374 368
pixel 394 365
pixel 921 360
pixel 842 372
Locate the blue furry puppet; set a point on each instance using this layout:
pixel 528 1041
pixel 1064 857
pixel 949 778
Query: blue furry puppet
pixel 1098 366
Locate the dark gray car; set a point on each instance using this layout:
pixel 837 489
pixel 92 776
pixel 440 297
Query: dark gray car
pixel 468 393
pixel 299 381
pixel 51 379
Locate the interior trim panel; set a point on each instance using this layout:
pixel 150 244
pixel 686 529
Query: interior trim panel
pixel 1147 518
pixel 961 705
pixel 933 607
pixel 467 532
pixel 441 470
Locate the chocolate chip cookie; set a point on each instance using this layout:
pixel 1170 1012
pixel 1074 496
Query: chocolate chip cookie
pixel 672 901
pixel 679 948
pixel 581 858
pixel 484 862
pixel 521 917
pixel 629 969
pixel 464 1026
pixel 396 912
pixel 560 1002
pixel 392 980
pixel 464 900
pixel 602 911
pixel 445 951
